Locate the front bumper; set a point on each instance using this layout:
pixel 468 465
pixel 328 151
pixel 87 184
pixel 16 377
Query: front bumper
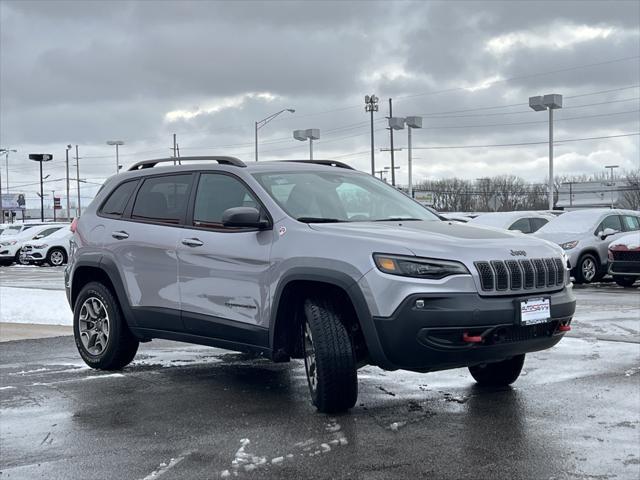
pixel 436 336
pixel 32 255
pixel 626 268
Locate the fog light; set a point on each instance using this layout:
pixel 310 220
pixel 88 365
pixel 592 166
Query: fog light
pixel 419 303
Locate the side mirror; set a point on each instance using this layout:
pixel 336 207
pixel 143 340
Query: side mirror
pixel 243 217
pixel 607 232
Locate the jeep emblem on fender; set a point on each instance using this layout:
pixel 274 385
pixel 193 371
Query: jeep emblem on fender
pixel 518 253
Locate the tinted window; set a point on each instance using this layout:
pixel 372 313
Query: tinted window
pixel 46 232
pixel 216 193
pixel 522 225
pixel 537 223
pixel 612 221
pixel 118 199
pixel 631 223
pixel 162 199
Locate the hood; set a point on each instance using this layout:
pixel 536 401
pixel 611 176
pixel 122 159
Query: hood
pixel 450 240
pixel 559 238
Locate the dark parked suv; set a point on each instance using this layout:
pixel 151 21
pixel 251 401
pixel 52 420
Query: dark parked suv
pixel 308 260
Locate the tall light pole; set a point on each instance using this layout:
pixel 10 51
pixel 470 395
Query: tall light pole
pixel 68 188
pixel 549 102
pixel 311 134
pixel 391 150
pixel 41 157
pixel 261 123
pixel 6 152
pixel 117 143
pixel 612 183
pixel 371 105
pixel 78 180
pixel 398 123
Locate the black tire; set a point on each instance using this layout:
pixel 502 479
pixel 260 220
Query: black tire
pixel 56 257
pixel 626 282
pixel 121 346
pixel 498 374
pixel 587 269
pixel 329 358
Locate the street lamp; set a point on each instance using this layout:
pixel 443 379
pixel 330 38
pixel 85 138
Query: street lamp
pixel 6 152
pixel 371 105
pixel 311 134
pixel 549 102
pixel 117 143
pixel 398 123
pixel 41 157
pixel 261 123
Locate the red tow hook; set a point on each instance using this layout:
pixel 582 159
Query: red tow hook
pixel 471 338
pixel 564 328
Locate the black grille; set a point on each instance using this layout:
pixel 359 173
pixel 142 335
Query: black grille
pixel 541 273
pixel 624 256
pixel 560 269
pixel 513 275
pixel 529 276
pixel 502 276
pixel 486 275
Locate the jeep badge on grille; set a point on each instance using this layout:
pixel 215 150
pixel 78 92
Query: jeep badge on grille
pixel 518 253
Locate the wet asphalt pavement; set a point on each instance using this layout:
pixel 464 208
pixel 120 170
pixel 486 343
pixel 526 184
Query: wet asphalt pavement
pixel 183 411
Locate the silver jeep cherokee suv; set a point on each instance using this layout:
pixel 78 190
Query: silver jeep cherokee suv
pixel 308 260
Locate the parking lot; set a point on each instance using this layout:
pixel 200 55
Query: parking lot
pixel 182 411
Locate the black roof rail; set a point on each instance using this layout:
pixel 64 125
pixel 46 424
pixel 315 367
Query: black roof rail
pixel 329 163
pixel 236 162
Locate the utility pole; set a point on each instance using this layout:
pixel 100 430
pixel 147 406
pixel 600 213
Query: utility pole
pixel 78 180
pixel 53 199
pixel 175 148
pixel 68 187
pixel 393 170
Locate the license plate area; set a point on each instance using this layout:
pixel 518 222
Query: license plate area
pixel 533 311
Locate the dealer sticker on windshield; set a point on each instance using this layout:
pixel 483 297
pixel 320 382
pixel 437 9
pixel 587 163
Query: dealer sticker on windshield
pixel 534 311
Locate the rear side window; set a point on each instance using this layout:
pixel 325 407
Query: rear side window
pixel 162 199
pixel 538 223
pixel 521 225
pixel 216 193
pixel 631 223
pixel 117 201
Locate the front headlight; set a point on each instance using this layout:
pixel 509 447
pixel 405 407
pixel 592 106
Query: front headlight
pixel 38 247
pixel 6 244
pixel 417 267
pixel 569 245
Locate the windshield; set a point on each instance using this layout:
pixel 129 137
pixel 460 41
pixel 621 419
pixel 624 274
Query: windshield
pixel 572 222
pixel 325 197
pixel 12 230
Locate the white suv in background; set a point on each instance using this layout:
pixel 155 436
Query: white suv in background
pixel 10 245
pixel 52 249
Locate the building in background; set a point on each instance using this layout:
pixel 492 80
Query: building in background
pixel 598 193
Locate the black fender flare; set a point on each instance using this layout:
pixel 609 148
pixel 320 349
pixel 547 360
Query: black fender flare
pixel 355 294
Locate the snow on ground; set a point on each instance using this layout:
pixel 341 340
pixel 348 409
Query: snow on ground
pixel 33 305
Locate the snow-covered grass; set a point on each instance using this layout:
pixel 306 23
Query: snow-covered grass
pixel 32 305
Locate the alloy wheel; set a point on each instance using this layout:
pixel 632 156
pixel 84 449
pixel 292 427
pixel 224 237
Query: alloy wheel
pixel 588 269
pixel 310 358
pixel 94 326
pixel 57 258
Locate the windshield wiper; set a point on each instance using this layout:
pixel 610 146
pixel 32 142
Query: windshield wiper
pixel 319 220
pixel 396 219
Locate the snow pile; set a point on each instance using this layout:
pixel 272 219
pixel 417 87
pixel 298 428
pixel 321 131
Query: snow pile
pixel 32 305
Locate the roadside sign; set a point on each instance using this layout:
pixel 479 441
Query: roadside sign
pixel 56 203
pixel 424 197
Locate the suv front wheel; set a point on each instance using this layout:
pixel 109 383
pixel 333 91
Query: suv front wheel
pixel 329 358
pixel 498 374
pixel 100 330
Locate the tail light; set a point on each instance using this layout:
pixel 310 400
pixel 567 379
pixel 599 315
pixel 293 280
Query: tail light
pixel 74 225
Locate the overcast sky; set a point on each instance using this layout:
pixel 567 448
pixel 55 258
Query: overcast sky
pixel 84 72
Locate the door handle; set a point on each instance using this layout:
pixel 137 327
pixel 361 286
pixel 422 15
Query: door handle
pixel 121 235
pixel 192 242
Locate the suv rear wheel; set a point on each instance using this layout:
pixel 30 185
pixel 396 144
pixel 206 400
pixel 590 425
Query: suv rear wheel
pixel 498 374
pixel 329 358
pixel 100 330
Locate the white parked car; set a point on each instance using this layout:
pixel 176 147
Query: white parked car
pixel 624 259
pixel 52 249
pixel 524 222
pixel 10 245
pixel 585 235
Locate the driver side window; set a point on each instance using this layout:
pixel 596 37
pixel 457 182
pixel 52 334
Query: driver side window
pixel 612 221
